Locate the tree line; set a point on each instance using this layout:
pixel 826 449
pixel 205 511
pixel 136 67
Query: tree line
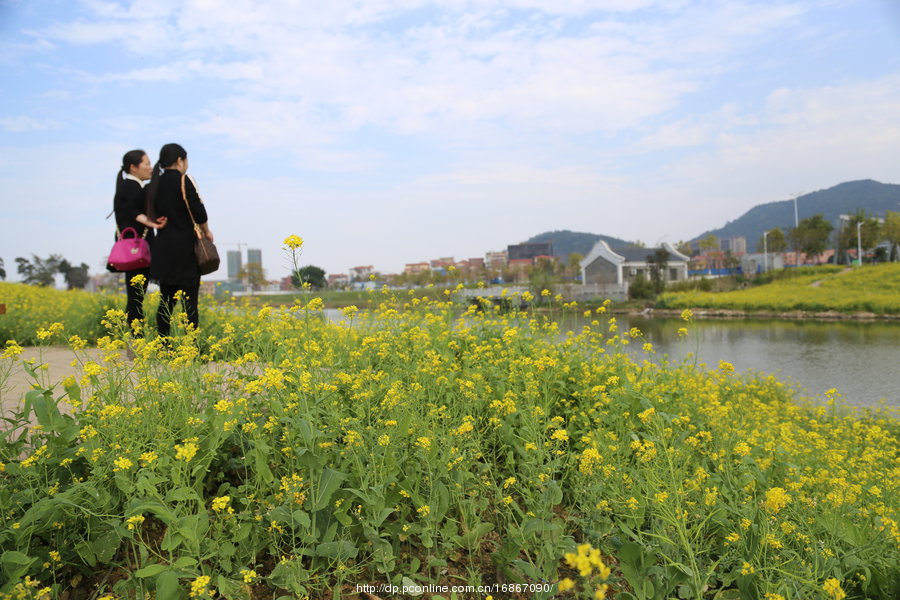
pixel 43 271
pixel 812 236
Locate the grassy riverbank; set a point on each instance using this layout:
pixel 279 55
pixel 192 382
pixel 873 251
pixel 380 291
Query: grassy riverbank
pixel 281 454
pixel 869 289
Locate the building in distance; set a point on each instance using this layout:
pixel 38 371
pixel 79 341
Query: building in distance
pixel 234 263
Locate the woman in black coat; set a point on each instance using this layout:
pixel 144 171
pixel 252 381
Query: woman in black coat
pixel 130 207
pixel 174 263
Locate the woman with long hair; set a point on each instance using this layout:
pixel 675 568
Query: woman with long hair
pixel 174 263
pixel 130 207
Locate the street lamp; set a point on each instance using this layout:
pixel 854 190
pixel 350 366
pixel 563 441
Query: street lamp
pixel 858 243
pixel 766 251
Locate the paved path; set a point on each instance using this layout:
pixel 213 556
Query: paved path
pixel 58 361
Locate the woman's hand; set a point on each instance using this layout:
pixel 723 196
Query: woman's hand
pixel 148 222
pixel 206 232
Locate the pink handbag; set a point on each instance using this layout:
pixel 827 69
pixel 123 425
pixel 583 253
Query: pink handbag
pixel 129 253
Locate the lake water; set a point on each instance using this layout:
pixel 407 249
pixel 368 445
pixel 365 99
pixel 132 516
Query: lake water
pixel 860 359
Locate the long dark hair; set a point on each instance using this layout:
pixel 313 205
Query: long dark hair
pixel 168 156
pixel 132 158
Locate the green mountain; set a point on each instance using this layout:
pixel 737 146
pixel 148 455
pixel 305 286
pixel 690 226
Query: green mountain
pixel 873 197
pixel 566 242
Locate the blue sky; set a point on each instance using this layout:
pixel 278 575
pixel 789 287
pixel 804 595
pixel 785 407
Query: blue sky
pixel 393 131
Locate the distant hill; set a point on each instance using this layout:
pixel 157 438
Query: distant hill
pixel 565 242
pixel 873 197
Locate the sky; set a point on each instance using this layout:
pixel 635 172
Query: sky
pixel 387 132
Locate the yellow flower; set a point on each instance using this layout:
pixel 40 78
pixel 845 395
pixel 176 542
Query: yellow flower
pixel 384 440
pixel 560 435
pixel 186 452
pixel 747 569
pixel 91 368
pixel 565 584
pixel 221 503
pixel 12 349
pixel 776 499
pixel 199 587
pixel 424 510
pixel 686 314
pixel 122 464
pixel 293 242
pixel 833 589
pixel 249 575
pixel 587 559
pixel 135 521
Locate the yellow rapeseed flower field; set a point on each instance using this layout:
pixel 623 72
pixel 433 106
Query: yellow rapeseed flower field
pixel 288 453
pixel 871 288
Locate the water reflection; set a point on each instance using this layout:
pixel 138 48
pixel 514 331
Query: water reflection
pixel 860 359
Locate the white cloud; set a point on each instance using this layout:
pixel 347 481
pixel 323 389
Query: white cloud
pixel 332 67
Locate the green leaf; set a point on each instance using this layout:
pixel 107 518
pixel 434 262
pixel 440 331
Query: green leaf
pixel 105 545
pixel 150 571
pixel 86 552
pixel 260 455
pixel 45 409
pixel 553 495
pixel 182 495
pixel 441 500
pixel 228 587
pixel 301 518
pixel 471 537
pixel 327 485
pixel 16 558
pixel 384 514
pixel 340 550
pixel 164 513
pixel 184 562
pixel 167 587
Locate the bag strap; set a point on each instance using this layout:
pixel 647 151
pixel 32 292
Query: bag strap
pixel 188 205
pixel 119 233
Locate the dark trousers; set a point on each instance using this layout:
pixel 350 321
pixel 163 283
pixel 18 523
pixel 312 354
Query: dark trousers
pixel 134 303
pixel 167 306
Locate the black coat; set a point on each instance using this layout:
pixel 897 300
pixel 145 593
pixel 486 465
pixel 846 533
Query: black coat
pixel 174 261
pixel 128 203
